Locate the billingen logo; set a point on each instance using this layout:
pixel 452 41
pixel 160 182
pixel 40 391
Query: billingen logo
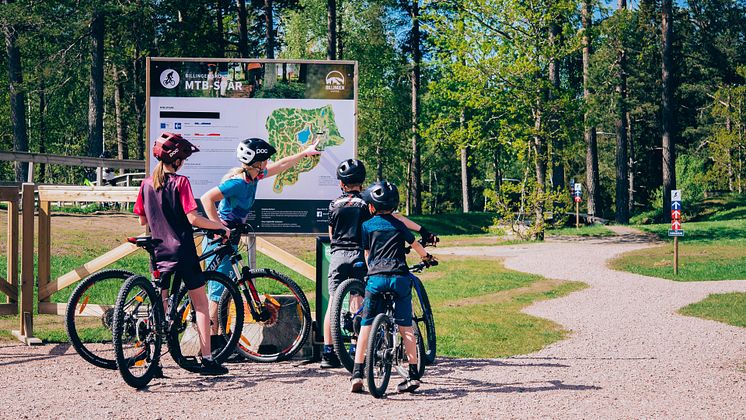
pixel 169 78
pixel 335 81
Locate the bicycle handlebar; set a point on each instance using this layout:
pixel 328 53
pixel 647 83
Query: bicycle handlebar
pixel 417 268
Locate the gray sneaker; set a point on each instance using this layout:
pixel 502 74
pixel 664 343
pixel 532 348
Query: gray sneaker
pixel 408 385
pixel 356 385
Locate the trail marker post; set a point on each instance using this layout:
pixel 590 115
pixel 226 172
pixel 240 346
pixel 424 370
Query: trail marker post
pixel 676 229
pixel 577 194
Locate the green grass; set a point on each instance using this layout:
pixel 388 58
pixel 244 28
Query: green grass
pixel 456 223
pixel 491 324
pixel 729 308
pixel 498 330
pixel 585 231
pixel 709 251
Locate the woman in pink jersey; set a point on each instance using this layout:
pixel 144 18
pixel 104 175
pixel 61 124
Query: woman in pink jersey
pixel 166 204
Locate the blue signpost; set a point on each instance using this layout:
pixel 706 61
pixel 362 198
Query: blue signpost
pixel 676 229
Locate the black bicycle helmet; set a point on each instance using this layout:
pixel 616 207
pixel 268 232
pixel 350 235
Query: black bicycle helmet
pixel 254 150
pixel 351 171
pixel 383 195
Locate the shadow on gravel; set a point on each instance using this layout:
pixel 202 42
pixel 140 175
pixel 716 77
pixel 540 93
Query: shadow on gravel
pixel 442 385
pixel 59 350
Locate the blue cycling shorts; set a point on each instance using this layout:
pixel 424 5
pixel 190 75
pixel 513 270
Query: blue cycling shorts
pixel 400 286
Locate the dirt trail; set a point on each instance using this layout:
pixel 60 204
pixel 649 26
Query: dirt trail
pixel 629 355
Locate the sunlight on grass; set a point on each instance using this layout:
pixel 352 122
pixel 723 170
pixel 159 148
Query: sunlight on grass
pixel 729 308
pixel 592 230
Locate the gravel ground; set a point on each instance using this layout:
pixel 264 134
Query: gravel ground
pixel 629 355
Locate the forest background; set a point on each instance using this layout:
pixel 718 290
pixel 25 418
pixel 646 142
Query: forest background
pixel 468 105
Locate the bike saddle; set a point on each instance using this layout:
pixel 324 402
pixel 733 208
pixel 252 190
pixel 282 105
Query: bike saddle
pixel 144 241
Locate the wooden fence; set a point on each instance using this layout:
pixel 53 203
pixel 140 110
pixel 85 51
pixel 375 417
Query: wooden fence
pixel 9 285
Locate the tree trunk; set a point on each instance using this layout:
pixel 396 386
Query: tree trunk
pixel 42 128
pixel 622 175
pixel 122 152
pixel 331 23
pixel 379 162
pixel 465 187
pixel 498 170
pixel 270 29
pixel 221 30
pixel 416 57
pixel 591 145
pixel 631 167
pixel 243 32
pixel 340 43
pixel 558 167
pixel 17 98
pixel 669 152
pixel 96 87
pixel 541 173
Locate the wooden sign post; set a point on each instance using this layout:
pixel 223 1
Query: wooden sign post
pixel 676 229
pixel 577 194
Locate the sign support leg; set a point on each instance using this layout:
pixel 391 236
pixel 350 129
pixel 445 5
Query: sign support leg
pixel 577 216
pixel 675 255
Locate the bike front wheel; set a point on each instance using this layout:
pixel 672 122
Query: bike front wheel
pixel 422 315
pixel 183 336
pixel 138 317
pixel 89 316
pixel 379 355
pixel 346 312
pixel 277 317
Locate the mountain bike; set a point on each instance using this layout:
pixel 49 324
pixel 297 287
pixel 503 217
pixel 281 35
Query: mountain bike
pixel 278 316
pixel 141 322
pixel 346 312
pixel 91 306
pixel 386 346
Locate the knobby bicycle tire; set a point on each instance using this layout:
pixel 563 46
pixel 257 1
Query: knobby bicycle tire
pixel 379 355
pixel 423 316
pixel 154 319
pixel 343 320
pixel 284 333
pixel 98 353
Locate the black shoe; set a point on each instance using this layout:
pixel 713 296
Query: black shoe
pixel 210 368
pixel 330 361
pixel 408 385
pixel 236 357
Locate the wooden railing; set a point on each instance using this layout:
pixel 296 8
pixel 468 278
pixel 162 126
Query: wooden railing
pixel 9 285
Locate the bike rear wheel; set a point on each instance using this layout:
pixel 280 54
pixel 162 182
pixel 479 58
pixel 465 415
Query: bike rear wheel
pixel 282 321
pixel 89 316
pixel 379 355
pixel 183 335
pixel 345 319
pixel 138 317
pixel 422 315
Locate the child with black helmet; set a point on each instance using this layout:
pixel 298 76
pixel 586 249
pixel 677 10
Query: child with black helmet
pixel 346 216
pixel 236 194
pixel 165 203
pixel 384 239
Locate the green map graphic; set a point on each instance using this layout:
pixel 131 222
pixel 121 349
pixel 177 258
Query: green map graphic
pixel 293 129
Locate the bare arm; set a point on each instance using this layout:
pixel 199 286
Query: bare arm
pixel 419 249
pixel 407 222
pixel 330 232
pixel 143 221
pixel 202 222
pixel 289 161
pixel 208 200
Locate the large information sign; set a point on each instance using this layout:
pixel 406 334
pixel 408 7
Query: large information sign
pixel 216 103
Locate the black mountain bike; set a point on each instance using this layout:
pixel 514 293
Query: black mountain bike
pixel 386 347
pixel 347 306
pixel 271 334
pixel 141 323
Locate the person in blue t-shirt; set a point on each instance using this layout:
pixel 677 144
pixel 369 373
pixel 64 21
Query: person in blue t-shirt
pixel 384 239
pixel 236 194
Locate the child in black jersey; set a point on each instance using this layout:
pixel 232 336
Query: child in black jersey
pixel 346 216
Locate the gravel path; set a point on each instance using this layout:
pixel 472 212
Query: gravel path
pixel 629 355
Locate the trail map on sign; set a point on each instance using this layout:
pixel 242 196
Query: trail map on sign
pixel 293 129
